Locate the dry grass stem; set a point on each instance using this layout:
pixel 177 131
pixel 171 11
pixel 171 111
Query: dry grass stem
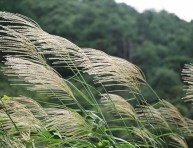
pixel 17 44
pixel 32 105
pixel 188 129
pixel 118 105
pixel 110 70
pixel 187 74
pixel 20 115
pixel 151 116
pixel 44 42
pixel 171 114
pixel 38 77
pixel 69 123
pixel 177 141
pixel 144 135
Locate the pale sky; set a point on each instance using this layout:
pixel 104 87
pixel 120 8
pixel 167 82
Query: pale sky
pixel 182 8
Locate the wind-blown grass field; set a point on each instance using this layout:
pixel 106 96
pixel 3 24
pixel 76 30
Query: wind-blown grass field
pixel 86 117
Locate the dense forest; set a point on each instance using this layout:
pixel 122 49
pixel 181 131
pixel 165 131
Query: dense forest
pixel 159 43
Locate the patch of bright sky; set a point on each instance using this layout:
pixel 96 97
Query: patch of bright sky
pixel 182 8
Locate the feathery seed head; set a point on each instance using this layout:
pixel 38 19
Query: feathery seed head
pixel 38 77
pixel 69 123
pixel 118 105
pixel 110 70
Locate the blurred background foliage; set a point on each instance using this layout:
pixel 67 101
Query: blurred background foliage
pixel 158 42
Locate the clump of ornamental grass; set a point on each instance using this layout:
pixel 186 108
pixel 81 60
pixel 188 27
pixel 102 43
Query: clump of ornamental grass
pixel 25 123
